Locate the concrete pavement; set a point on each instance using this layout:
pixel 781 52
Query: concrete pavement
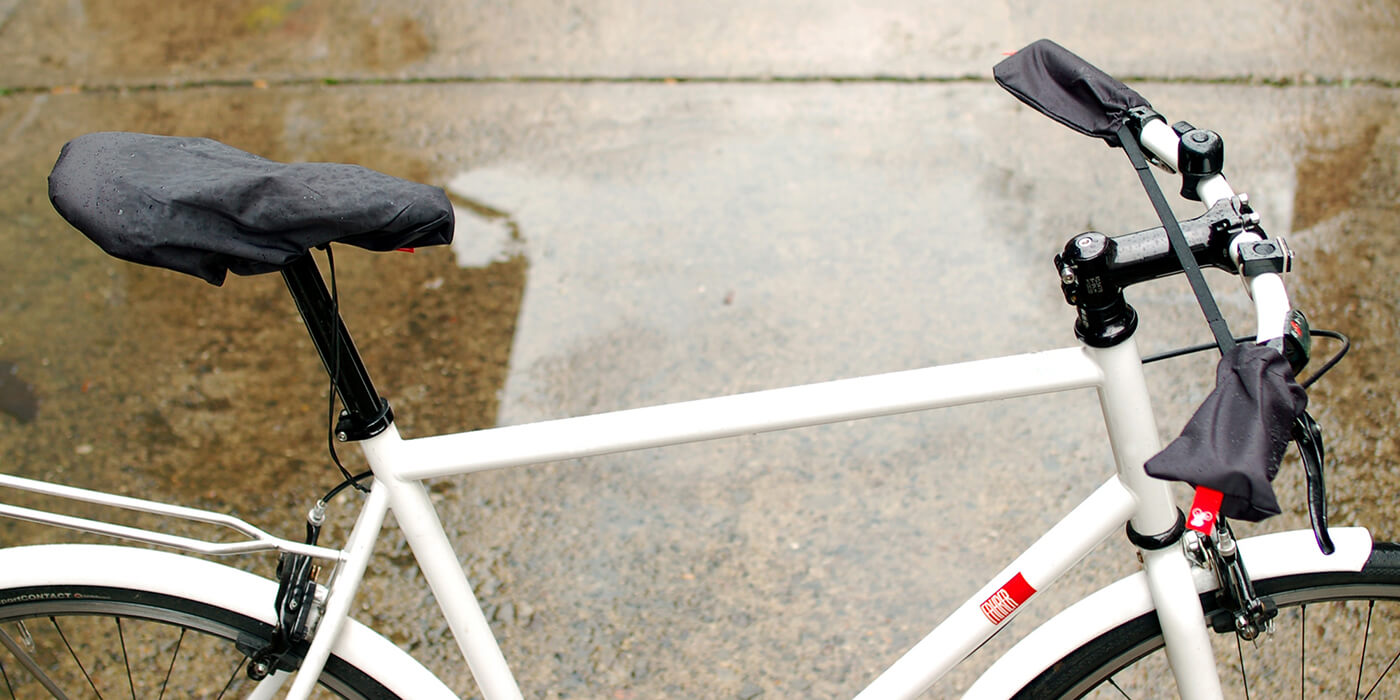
pixel 684 201
pixel 135 42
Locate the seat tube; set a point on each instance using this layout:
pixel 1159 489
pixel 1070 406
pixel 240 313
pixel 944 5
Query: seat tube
pixel 419 522
pixel 1132 431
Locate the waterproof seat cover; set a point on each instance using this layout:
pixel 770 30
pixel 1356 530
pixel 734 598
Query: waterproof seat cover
pixel 198 206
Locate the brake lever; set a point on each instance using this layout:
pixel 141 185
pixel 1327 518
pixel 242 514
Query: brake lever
pixel 1308 436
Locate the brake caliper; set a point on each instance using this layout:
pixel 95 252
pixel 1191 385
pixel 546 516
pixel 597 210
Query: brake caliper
pixel 1240 610
pixel 298 609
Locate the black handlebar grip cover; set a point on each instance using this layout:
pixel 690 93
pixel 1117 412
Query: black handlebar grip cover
pixel 1068 89
pixel 1236 439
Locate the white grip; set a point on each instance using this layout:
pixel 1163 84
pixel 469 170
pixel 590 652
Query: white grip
pixel 1271 305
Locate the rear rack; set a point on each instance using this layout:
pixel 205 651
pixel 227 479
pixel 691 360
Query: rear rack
pixel 258 540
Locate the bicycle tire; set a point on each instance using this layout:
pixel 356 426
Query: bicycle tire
pixel 98 641
pixel 1125 661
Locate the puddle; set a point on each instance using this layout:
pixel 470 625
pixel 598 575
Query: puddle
pixel 154 382
pixel 1347 213
pixel 1330 178
pixel 485 234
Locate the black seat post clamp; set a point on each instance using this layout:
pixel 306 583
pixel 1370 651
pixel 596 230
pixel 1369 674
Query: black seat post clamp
pixel 351 427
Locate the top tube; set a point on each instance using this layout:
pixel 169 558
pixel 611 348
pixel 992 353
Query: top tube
pixel 776 409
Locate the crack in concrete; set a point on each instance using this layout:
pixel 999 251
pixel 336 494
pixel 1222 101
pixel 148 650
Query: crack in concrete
pixel 257 83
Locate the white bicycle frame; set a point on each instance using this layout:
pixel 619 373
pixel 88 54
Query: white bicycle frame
pixel 1131 496
pixel 1167 583
pixel 1115 372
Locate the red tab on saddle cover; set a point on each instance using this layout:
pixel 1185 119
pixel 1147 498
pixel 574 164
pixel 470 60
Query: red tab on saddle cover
pixel 1205 510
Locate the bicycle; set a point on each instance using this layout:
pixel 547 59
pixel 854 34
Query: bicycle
pixel 297 628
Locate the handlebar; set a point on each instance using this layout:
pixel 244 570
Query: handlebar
pixel 1238 435
pixel 1071 91
pixel 1163 142
pixel 1270 296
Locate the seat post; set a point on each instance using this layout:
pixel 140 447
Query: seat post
pixel 366 414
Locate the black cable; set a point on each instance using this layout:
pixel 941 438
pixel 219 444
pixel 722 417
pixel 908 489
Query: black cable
pixel 1312 378
pixel 350 479
pixel 1179 352
pixel 1332 362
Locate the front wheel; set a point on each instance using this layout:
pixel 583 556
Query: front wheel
pixel 1337 635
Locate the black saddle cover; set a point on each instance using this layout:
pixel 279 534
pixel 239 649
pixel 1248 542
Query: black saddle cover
pixel 201 207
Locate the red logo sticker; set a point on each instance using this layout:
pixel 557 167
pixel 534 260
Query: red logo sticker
pixel 1205 507
pixel 1005 601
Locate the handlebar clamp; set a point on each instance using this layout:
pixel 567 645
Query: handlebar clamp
pixel 1260 257
pixel 1095 268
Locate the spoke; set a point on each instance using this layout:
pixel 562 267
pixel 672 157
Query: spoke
pixel 1383 674
pixel 6 676
pixel 1244 677
pixel 231 679
pixel 1303 650
pixel 171 668
pixel 1365 639
pixel 1119 689
pixel 74 654
pixel 126 661
pixel 30 664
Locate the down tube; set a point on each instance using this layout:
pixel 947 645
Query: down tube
pixel 975 621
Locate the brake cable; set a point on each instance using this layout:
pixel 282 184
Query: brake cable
pixel 296 601
pixel 350 480
pixel 1305 383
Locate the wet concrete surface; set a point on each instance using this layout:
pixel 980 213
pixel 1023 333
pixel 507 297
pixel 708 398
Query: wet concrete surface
pixel 137 42
pixel 660 241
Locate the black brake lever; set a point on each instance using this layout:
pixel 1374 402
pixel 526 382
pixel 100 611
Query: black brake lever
pixel 1309 438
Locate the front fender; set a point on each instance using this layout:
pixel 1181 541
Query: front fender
pixel 1266 556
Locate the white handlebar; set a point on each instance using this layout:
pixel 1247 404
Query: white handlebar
pixel 1271 306
pixel 1271 303
pixel 1161 141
